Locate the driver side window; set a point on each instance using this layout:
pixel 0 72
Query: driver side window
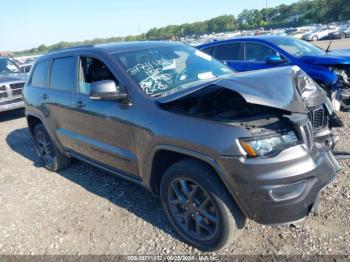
pixel 92 70
pixel 257 52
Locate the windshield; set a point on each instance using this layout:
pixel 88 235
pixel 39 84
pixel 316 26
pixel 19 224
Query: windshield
pixel 163 70
pixel 296 47
pixel 8 67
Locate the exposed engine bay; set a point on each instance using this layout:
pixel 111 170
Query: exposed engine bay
pixel 342 92
pixel 343 74
pixel 224 105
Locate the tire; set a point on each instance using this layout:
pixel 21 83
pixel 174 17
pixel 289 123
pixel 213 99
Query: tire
pixel 219 217
pixel 315 38
pixel 50 156
pixel 342 36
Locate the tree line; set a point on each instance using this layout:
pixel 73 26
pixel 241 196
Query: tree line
pixel 300 13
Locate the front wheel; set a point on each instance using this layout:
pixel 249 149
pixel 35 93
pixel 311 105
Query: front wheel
pixel 198 205
pixel 315 38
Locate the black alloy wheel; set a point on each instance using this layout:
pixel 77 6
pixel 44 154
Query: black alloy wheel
pixel 193 209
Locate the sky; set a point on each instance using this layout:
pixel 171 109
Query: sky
pixel 29 23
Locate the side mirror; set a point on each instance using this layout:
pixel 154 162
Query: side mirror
pixel 274 60
pixel 107 90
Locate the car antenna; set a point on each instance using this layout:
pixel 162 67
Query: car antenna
pixel 329 46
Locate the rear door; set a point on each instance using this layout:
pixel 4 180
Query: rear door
pixel 56 100
pixel 102 129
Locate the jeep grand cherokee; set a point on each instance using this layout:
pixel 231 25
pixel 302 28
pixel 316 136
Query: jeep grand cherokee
pixel 217 147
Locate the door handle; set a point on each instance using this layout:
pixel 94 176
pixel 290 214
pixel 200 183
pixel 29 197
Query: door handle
pixel 44 96
pixel 79 104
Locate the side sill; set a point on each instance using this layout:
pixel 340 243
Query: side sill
pixel 113 171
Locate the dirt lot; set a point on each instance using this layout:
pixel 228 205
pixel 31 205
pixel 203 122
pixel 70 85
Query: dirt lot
pixel 83 210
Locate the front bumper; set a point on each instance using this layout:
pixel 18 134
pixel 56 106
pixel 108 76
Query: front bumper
pixel 283 188
pixel 11 105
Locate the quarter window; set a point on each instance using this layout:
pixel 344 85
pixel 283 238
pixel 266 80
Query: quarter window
pixel 63 74
pixel 39 77
pixel 257 52
pixel 232 51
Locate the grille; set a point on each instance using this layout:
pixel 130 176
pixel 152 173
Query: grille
pixel 17 92
pixel 17 86
pixel 17 89
pixel 318 118
pixel 3 94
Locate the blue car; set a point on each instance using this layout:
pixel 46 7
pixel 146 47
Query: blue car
pixel 331 70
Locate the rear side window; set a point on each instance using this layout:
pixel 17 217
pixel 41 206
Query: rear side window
pixel 39 77
pixel 232 51
pixel 63 74
pixel 257 52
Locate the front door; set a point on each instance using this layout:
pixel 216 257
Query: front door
pixel 255 55
pixel 103 129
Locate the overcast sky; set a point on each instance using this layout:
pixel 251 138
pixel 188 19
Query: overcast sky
pixel 29 23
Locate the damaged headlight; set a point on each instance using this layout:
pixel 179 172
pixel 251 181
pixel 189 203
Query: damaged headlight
pixel 341 74
pixel 257 147
pixel 306 85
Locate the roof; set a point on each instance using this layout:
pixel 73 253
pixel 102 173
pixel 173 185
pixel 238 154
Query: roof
pixel 127 46
pixel 262 38
pixel 116 47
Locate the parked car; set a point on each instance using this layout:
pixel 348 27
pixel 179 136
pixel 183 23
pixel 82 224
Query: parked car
pixel 330 69
pixel 341 33
pixel 299 32
pixel 319 34
pixel 217 147
pixel 11 85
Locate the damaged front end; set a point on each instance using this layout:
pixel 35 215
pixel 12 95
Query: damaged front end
pixel 341 89
pixel 261 102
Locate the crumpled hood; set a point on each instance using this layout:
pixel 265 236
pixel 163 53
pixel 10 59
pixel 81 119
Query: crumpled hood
pixel 331 58
pixel 270 87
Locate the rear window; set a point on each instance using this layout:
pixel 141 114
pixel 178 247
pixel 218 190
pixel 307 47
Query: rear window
pixel 39 77
pixel 232 51
pixel 63 74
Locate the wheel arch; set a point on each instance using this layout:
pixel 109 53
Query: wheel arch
pixel 33 120
pixel 163 156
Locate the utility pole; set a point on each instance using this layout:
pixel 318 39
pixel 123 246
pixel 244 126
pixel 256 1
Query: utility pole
pixel 266 3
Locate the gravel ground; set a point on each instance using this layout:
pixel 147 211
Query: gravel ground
pixel 83 210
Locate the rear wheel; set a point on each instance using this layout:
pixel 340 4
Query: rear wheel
pixel 52 159
pixel 198 205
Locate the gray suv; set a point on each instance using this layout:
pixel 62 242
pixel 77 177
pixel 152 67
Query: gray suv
pixel 216 146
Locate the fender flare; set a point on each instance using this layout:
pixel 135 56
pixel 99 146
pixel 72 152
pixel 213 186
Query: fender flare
pixel 207 159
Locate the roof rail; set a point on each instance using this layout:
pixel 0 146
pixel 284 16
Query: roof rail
pixel 69 48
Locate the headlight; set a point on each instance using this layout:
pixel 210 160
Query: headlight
pixel 305 84
pixel 256 147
